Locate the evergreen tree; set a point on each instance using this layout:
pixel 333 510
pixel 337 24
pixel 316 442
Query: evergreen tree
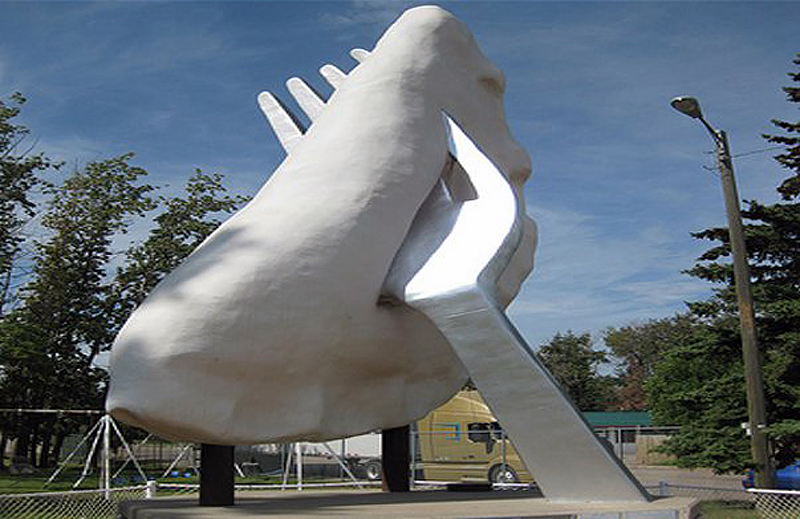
pixel 773 245
pixel 790 158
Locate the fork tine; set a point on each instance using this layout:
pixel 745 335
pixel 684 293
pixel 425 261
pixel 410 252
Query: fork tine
pixel 310 101
pixel 359 54
pixel 287 128
pixel 332 75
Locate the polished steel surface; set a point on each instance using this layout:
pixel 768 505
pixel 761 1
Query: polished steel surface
pixel 447 269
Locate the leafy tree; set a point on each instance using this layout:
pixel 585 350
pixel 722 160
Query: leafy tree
pixel 180 228
pixel 19 174
pixel 716 400
pixel 574 364
pixel 638 348
pixel 50 343
pixel 70 281
pixel 72 308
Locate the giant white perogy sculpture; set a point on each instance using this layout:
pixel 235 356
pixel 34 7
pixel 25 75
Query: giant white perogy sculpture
pixel 365 281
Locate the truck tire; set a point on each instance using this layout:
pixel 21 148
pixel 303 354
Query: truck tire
pixel 499 474
pixel 373 470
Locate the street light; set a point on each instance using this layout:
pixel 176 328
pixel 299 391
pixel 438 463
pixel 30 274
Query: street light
pixel 752 363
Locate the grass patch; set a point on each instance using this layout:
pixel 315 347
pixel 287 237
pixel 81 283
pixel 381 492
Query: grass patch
pixel 728 510
pixel 33 483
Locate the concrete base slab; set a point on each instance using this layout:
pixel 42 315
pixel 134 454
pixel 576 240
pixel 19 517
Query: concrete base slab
pixel 411 505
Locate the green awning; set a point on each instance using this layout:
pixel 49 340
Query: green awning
pixel 618 418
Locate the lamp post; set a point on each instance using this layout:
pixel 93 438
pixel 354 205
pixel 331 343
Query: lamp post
pixel 752 363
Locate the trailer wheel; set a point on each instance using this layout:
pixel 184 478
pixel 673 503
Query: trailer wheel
pixel 499 474
pixel 373 470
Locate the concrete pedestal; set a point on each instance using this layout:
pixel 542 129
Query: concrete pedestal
pixel 407 505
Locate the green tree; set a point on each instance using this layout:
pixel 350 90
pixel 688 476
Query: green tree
pixel 20 177
pixel 52 340
pixel 20 173
pixel 638 348
pixel 574 364
pixel 699 386
pixel 184 223
pixel 709 395
pixel 790 158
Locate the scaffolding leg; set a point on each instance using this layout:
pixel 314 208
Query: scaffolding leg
pixel 177 459
pixel 75 450
pixel 342 465
pixel 288 468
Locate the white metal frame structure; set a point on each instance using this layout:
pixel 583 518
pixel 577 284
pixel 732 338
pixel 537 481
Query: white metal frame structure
pixel 101 429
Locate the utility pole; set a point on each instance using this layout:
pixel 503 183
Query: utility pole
pixel 752 362
pixel 756 410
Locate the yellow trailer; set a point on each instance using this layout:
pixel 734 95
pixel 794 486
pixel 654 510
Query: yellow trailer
pixel 462 441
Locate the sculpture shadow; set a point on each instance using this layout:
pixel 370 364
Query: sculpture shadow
pixel 303 503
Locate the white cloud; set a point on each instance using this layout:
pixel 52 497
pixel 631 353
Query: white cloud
pixel 366 12
pixel 587 279
pixel 75 150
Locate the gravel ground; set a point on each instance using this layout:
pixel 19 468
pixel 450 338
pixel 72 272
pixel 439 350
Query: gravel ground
pixel 649 475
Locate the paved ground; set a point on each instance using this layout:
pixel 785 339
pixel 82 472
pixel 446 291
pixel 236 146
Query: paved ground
pixel 413 505
pixel 649 475
pixel 418 504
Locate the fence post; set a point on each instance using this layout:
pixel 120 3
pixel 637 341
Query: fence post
pixel 151 489
pixel 662 488
pixel 298 459
pixel 105 470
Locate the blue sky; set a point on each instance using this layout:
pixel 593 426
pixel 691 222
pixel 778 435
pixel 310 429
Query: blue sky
pixel 619 180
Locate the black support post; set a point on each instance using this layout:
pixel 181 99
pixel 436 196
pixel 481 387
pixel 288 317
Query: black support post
pixel 216 475
pixel 395 459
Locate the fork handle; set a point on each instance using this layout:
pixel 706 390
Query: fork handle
pixel 559 448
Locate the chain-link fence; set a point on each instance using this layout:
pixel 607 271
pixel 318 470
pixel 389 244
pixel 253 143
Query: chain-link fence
pixel 777 504
pixel 78 504
pixel 702 493
pixel 102 504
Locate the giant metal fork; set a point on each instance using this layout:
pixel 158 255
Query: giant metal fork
pixel 447 268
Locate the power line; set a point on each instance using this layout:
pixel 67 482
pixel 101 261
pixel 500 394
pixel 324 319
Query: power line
pixel 56 411
pixel 763 150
